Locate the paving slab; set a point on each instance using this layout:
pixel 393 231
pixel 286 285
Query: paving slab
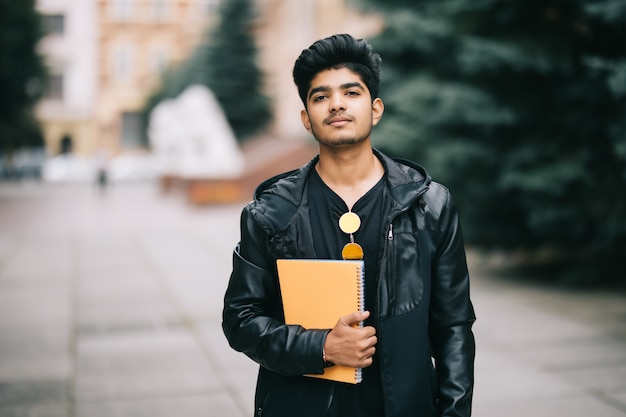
pixel 211 404
pixel 110 305
pixel 135 364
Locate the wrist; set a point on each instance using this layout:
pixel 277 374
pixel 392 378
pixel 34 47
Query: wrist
pixel 327 364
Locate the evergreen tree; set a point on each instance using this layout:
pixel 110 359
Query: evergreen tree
pixel 519 106
pixel 226 63
pixel 232 71
pixel 22 74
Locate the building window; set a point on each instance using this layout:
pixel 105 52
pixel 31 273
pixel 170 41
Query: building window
pixel 210 7
pixel 158 61
pixel 122 63
pixel 122 9
pixel 159 10
pixel 53 24
pixel 132 130
pixel 54 87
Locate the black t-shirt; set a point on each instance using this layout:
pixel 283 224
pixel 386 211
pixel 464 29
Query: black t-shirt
pixel 364 399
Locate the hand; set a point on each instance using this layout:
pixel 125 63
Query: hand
pixel 351 346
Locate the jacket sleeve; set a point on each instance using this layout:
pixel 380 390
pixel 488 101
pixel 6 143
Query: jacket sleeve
pixel 451 318
pixel 252 318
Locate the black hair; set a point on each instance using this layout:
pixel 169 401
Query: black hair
pixel 334 52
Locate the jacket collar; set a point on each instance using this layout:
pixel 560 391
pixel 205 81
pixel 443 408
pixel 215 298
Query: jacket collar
pixel 405 179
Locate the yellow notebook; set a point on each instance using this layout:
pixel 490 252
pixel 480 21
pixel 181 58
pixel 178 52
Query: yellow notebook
pixel 316 292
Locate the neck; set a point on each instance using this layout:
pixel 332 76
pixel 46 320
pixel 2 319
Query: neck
pixel 349 172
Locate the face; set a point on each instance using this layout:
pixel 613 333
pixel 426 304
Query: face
pixel 340 111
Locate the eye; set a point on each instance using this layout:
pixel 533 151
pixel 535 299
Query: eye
pixel 321 97
pixel 352 93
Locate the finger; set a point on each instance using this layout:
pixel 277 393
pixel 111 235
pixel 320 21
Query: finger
pixel 364 363
pixel 371 341
pixel 368 331
pixel 354 318
pixel 366 345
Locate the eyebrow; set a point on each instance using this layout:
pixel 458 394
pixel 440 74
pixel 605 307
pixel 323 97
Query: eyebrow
pixel 345 86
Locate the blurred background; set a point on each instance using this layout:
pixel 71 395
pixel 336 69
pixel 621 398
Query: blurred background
pixel 133 131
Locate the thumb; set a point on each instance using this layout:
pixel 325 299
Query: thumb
pixel 355 317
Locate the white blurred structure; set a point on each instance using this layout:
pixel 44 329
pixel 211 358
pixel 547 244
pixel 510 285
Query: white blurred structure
pixel 78 168
pixel 69 168
pixel 192 139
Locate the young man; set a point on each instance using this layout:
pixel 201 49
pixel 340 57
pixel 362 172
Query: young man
pixel 416 348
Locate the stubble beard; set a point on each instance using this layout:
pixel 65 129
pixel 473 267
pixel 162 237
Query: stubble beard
pixel 341 141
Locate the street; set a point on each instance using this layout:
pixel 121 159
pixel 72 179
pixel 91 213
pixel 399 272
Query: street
pixel 111 299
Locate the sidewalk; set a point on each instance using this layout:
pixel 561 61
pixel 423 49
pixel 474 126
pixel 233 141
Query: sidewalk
pixel 110 306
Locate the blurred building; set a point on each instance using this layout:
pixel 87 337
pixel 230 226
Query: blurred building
pixel 284 29
pixel 106 57
pixel 67 111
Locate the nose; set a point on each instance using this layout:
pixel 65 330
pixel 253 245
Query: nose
pixel 337 103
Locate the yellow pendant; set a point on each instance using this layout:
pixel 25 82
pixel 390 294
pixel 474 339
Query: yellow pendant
pixel 349 222
pixel 352 251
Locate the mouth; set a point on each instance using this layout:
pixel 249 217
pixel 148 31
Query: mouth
pixel 338 121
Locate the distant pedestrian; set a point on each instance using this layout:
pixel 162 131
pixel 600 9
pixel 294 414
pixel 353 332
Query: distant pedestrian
pixel 102 167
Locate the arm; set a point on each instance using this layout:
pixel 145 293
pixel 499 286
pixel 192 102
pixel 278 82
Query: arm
pixel 252 317
pixel 451 319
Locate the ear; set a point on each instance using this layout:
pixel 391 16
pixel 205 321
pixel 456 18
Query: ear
pixel 306 122
pixel 378 108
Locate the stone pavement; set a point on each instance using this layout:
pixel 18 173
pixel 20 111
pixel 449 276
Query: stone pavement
pixel 110 306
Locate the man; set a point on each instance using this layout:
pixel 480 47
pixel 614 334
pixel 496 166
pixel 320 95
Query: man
pixel 416 348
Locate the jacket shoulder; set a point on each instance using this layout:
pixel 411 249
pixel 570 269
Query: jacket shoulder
pixel 437 194
pixel 277 198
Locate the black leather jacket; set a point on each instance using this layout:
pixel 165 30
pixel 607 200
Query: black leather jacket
pixel 425 339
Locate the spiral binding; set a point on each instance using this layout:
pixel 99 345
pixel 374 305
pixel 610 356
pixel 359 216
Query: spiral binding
pixel 358 372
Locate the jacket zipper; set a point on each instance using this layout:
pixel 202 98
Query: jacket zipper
pixel 378 289
pixel 392 285
pixel 380 280
pixel 330 399
pixel 387 243
pixel 381 273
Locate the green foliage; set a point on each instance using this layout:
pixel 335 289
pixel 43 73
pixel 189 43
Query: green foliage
pixel 233 74
pixel 520 108
pixel 226 63
pixel 22 74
